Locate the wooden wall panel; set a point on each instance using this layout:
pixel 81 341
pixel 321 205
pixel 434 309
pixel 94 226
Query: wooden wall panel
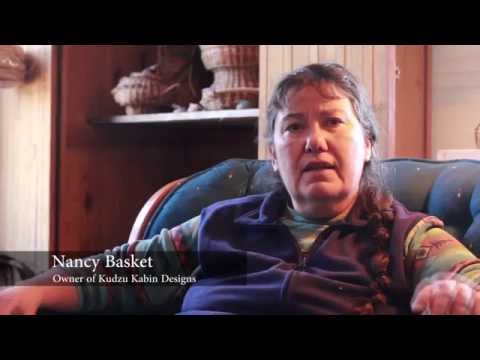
pixel 331 53
pixel 383 97
pixel 26 126
pixel 411 101
pixel 25 140
pixel 275 60
pixel 455 105
pixel 428 101
pixel 301 55
pixel 359 60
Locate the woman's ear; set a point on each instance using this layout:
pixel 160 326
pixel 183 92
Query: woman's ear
pixel 368 150
pixel 273 157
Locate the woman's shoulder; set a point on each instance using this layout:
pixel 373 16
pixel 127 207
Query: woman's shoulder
pixel 407 222
pixel 402 212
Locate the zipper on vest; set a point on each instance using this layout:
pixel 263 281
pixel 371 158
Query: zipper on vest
pixel 302 261
pixel 303 257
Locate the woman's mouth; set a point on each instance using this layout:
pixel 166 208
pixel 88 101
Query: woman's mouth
pixel 317 166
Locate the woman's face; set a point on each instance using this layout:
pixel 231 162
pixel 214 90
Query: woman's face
pixel 320 149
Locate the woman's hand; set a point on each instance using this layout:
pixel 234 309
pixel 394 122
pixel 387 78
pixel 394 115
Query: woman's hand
pixel 21 300
pixel 38 293
pixel 446 296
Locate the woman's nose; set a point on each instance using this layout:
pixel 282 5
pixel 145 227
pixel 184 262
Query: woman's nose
pixel 316 141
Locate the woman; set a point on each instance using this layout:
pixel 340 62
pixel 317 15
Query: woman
pixel 330 241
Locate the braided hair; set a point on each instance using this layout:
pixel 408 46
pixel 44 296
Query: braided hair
pixel 373 203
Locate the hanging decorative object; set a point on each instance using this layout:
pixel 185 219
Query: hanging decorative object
pixel 13 67
pixel 164 86
pixel 235 69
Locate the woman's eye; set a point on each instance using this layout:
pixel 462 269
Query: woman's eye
pixel 333 121
pixel 293 127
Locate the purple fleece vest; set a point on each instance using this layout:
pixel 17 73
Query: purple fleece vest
pixel 251 264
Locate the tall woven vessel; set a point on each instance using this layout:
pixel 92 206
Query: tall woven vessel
pixel 235 69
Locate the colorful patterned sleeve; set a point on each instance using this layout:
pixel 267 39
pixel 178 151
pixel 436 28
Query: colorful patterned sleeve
pixel 430 250
pixel 160 287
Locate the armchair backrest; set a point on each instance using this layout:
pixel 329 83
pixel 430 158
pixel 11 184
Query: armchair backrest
pixel 449 190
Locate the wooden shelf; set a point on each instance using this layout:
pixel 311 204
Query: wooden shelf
pixel 248 117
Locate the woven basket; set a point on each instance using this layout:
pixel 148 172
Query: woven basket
pixel 235 69
pixel 143 92
pixel 12 65
pixel 233 78
pixel 217 56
